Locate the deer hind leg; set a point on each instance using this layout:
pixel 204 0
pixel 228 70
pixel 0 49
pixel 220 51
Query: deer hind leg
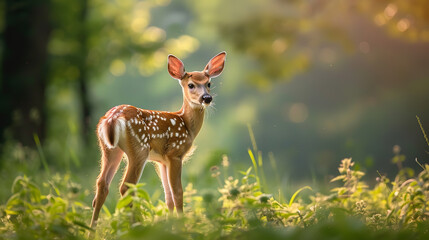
pixel 174 175
pixel 162 172
pixel 136 163
pixel 109 165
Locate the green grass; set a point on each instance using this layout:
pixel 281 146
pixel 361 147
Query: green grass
pixel 237 209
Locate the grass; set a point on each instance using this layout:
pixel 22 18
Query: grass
pixel 237 208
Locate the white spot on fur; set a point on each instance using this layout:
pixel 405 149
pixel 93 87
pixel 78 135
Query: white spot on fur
pixel 173 121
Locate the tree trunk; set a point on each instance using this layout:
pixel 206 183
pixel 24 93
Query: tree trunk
pixel 23 75
pixel 83 77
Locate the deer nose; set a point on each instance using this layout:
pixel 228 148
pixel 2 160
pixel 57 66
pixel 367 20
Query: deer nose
pixel 207 98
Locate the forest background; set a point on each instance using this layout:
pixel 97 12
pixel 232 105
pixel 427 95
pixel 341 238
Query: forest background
pixel 316 81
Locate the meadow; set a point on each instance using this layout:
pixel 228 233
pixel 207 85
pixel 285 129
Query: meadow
pixel 328 88
pixel 234 208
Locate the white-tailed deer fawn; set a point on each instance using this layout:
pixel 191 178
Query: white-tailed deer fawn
pixel 161 137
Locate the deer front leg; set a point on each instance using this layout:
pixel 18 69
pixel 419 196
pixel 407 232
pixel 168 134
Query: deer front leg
pixel 174 174
pixel 167 191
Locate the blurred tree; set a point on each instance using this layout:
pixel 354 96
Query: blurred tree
pixel 23 75
pixel 92 39
pixel 53 49
pixel 284 37
pixel 82 66
pixel 408 20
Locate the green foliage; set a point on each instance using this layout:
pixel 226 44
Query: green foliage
pixel 29 214
pixel 239 209
pixel 279 36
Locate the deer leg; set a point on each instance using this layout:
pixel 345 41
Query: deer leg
pixel 109 165
pixel 167 191
pixel 174 175
pixel 136 163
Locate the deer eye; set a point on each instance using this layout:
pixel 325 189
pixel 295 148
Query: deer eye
pixel 191 85
pixel 208 85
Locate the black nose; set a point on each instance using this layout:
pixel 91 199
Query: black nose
pixel 207 98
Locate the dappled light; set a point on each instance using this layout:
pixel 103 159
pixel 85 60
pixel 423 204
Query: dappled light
pixel 317 126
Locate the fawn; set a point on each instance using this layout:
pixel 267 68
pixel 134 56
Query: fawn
pixel 161 137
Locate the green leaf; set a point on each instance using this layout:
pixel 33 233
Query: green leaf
pixel 17 185
pixel 106 210
pixel 340 177
pixel 143 194
pixel 248 171
pixel 252 157
pixel 124 202
pixel 83 225
pixel 11 212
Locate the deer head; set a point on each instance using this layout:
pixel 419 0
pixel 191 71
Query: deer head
pixel 196 85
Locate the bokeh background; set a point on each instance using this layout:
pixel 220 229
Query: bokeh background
pixel 316 81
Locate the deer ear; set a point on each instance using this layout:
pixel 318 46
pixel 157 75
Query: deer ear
pixel 176 67
pixel 215 66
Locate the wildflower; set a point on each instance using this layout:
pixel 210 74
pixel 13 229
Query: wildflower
pixel 225 161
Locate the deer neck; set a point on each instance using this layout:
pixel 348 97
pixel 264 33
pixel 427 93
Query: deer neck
pixel 193 116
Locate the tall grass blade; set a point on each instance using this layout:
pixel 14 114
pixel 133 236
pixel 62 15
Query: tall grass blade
pixel 417 161
pixel 274 167
pixel 252 157
pixel 260 159
pixel 423 131
pixel 296 194
pixel 252 138
pixel 41 154
pixel 261 171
